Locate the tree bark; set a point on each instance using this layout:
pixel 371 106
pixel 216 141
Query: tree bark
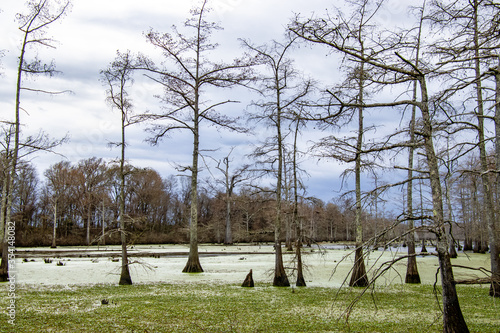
pixel 301 282
pixel 89 209
pixel 485 176
pixel 4 274
pixel 228 237
pixel 412 275
pixel 448 184
pixel 103 240
pixel 453 320
pixel 424 249
pixel 280 277
pixel 494 224
pixel 125 278
pixel 193 264
pixel 358 277
pixel 53 246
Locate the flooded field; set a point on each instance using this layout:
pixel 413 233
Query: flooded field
pixel 325 266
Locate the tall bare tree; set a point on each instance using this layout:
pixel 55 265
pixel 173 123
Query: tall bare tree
pixel 470 52
pixel 184 104
pixel 395 68
pixel 118 78
pixel 412 275
pixel 357 31
pixel 282 89
pixel 33 25
pixel 296 219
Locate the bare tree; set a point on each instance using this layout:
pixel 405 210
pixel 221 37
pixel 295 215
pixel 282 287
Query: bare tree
pixel 396 68
pixel 357 31
pixel 117 77
pixel 412 275
pixel 469 52
pixel 360 25
pixel 185 107
pixel 282 89
pixel 40 15
pixel 230 181
pixel 300 282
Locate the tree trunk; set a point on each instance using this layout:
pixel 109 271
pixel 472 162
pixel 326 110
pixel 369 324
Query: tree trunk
pixel 228 239
pixel 288 235
pixel 53 246
pixel 4 274
pixel 485 177
pixel 12 163
pixel 103 240
pixel 301 282
pixel 4 267
pixel 88 222
pixel 280 277
pixel 424 249
pixel 412 275
pixel 453 320
pixel 449 184
pixel 466 221
pixel 468 244
pixel 193 264
pixel 453 250
pixel 125 278
pixel 358 277
pixel 288 221
pixel 494 224
pixel 476 248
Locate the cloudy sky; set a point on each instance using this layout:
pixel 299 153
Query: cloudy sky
pixel 87 41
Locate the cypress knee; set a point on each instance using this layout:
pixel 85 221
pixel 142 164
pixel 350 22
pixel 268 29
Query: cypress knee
pixel 248 280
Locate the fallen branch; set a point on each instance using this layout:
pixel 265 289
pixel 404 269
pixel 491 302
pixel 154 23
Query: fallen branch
pixel 486 280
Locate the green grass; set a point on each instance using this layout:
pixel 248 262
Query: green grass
pixel 230 308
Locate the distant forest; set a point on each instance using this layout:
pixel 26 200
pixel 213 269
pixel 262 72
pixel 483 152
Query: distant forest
pixel 82 201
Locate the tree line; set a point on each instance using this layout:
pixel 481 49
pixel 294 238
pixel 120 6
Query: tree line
pixel 82 201
pixel 79 204
pixel 441 76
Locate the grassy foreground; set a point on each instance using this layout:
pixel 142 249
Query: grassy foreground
pixel 230 308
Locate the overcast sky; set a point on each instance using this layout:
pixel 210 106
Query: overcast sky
pixel 88 38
